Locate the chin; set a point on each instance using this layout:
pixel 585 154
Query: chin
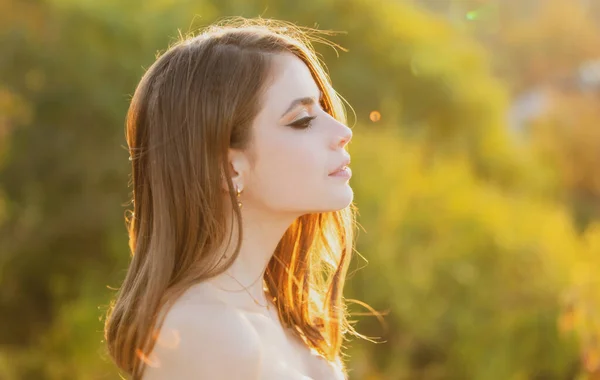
pixel 329 200
pixel 342 199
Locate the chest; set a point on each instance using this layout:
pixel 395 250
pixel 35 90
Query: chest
pixel 286 356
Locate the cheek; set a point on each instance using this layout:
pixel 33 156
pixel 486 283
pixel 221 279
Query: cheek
pixel 288 171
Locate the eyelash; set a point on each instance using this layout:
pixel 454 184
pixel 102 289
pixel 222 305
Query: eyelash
pixel 304 123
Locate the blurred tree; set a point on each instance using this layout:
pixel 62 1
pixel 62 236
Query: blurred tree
pixel 541 50
pixel 568 136
pixel 473 276
pixel 465 246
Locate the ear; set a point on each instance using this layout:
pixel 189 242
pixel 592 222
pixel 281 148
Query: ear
pixel 237 168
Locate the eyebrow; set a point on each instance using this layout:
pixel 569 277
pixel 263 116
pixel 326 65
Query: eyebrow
pixel 306 101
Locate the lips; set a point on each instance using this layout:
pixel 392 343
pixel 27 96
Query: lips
pixel 342 166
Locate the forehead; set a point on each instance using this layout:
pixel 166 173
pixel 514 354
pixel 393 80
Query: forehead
pixel 290 79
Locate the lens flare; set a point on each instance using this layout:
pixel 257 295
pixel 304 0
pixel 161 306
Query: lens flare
pixel 375 116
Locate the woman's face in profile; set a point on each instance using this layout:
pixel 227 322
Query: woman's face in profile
pixel 296 146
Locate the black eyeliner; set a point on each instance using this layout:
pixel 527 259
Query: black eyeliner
pixel 301 122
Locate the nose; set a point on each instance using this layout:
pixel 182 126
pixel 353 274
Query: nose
pixel 342 137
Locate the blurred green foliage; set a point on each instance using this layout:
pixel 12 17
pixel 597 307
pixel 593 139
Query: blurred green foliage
pixel 475 241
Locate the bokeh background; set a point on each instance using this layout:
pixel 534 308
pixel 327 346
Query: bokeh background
pixel 476 158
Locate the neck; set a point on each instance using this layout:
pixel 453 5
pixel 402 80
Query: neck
pixel 243 280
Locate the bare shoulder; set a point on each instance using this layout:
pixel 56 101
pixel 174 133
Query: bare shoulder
pixel 205 341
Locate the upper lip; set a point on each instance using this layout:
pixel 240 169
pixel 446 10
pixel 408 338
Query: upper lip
pixel 345 163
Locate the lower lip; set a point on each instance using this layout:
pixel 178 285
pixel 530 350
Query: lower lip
pixel 344 173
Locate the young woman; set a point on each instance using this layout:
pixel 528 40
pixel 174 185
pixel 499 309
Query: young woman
pixel 243 221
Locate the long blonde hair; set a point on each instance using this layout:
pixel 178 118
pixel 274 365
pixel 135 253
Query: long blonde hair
pixel 193 104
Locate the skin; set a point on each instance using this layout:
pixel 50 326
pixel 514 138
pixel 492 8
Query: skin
pixel 217 330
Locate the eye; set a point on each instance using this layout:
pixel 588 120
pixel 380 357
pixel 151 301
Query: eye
pixel 304 123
